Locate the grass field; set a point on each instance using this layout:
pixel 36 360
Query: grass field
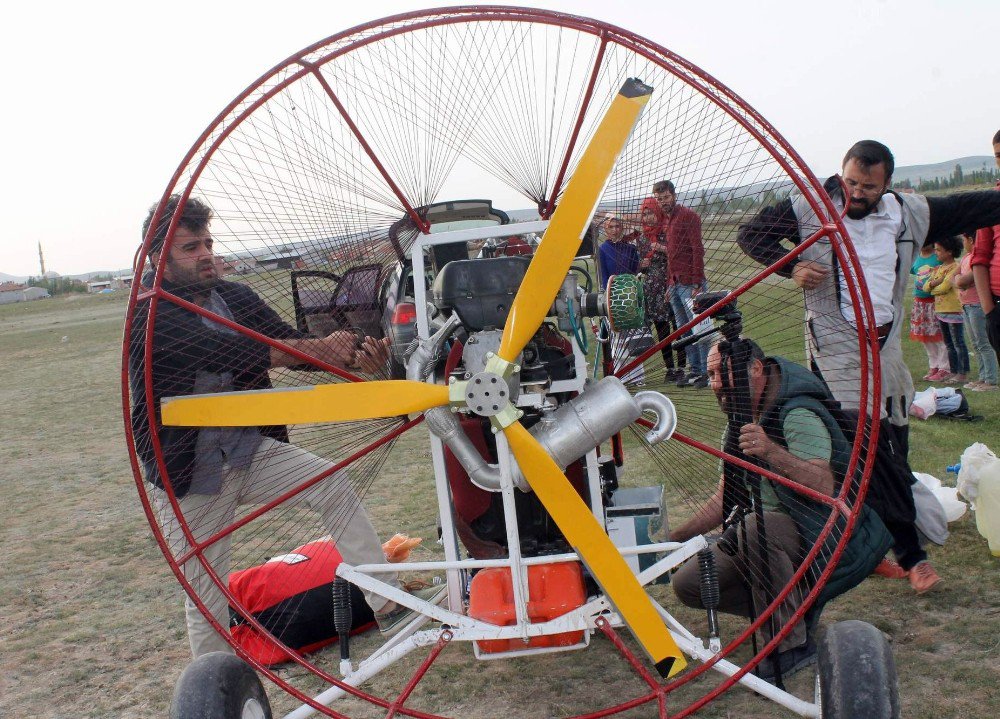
pixel 92 624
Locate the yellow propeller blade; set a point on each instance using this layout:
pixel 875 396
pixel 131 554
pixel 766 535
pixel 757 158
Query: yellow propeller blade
pixel 562 238
pixel 595 548
pixel 344 402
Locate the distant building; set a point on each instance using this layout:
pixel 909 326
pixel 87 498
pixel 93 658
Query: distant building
pixel 280 261
pixel 14 292
pixel 122 282
pixel 98 285
pixel 237 265
pixel 34 293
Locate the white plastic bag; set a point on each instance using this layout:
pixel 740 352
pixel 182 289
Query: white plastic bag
pixel 977 461
pixel 924 404
pixel 954 508
pixel 979 481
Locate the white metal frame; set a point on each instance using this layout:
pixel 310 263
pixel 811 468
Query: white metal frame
pixel 464 628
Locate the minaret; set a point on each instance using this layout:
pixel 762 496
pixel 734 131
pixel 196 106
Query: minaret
pixel 41 258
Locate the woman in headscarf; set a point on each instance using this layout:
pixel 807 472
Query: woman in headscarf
pixel 656 281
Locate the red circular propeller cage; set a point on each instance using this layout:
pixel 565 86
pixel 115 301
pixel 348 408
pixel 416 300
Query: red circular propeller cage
pixel 338 142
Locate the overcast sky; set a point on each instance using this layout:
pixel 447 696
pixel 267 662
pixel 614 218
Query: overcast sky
pixel 88 142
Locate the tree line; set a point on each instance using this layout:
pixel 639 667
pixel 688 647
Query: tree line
pixel 58 285
pixel 959 178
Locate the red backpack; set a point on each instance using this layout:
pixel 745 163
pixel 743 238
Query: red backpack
pixel 292 597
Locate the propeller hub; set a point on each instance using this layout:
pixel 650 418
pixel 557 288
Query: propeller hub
pixel 487 394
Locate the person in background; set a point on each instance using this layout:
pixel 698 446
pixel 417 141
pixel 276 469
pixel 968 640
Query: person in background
pixel 686 267
pixel 652 246
pixel 975 322
pixel 986 269
pixel 948 308
pixel 884 227
pixel 924 326
pixel 618 255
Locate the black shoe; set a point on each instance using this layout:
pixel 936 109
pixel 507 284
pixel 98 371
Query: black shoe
pixel 672 375
pixel 700 382
pixel 686 380
pixel 790 661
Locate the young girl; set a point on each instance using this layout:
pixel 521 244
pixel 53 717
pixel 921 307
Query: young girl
pixel 975 322
pixel 948 308
pixel 924 327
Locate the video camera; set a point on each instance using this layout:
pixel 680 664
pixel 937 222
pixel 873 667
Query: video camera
pixel 727 313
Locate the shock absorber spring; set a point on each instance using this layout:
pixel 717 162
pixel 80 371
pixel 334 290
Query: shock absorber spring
pixel 709 581
pixel 342 620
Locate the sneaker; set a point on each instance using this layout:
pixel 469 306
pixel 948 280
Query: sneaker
pixel 672 375
pixel 945 378
pixel 923 578
pixel 959 378
pixel 890 569
pixel 700 382
pixel 790 661
pixel 930 373
pixel 974 385
pixel 390 622
pixel 687 380
pixel 937 374
pixel 985 387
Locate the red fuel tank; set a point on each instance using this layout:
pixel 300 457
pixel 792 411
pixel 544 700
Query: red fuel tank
pixel 553 590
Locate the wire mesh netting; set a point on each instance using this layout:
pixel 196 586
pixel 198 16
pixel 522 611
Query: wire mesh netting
pixel 324 170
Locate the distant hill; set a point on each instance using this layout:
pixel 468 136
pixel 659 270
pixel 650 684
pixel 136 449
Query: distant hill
pixel 915 173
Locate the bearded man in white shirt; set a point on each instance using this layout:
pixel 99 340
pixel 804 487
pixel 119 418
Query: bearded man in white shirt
pixel 884 227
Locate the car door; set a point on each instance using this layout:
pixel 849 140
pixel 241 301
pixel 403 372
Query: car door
pixel 326 302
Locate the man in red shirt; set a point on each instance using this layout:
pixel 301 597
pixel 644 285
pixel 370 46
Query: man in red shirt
pixel 986 269
pixel 686 268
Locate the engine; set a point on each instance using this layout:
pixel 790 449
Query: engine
pixel 568 415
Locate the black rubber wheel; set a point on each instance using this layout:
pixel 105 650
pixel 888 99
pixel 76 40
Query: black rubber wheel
pixel 857 673
pixel 219 685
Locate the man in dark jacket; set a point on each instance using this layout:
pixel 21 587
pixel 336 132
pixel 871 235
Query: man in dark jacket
pixel 212 470
pixel 793 434
pixel 884 228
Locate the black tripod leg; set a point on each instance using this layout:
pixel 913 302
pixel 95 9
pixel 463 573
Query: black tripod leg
pixel 736 356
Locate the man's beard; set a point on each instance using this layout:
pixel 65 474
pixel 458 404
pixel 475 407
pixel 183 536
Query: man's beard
pixel 860 210
pixel 193 281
